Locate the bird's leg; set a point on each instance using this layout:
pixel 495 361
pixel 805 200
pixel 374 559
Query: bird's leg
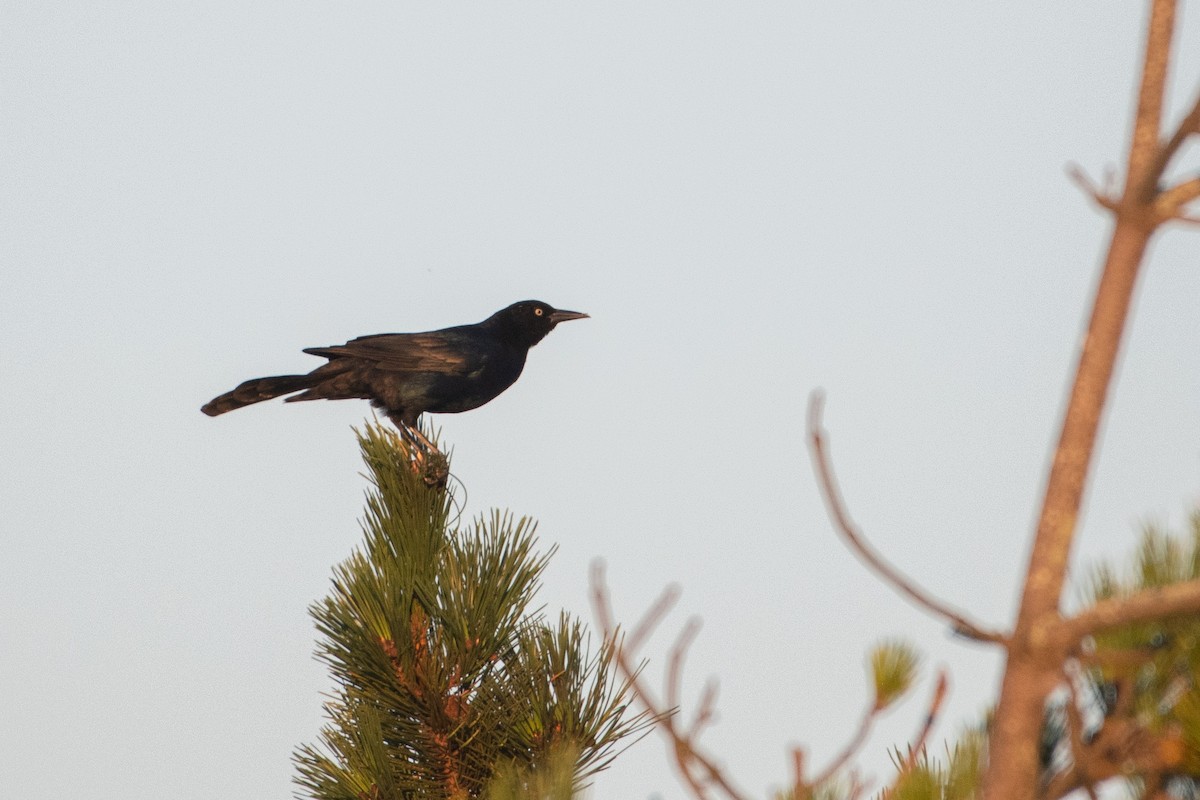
pixel 427 460
pixel 406 431
pixel 416 447
pixel 426 445
pixel 420 443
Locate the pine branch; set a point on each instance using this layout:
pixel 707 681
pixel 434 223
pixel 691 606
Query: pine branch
pixel 446 674
pixel 1150 605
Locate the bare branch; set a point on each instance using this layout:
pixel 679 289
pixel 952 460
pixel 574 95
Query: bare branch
pixel 1187 219
pixel 1171 202
pixel 857 786
pixel 706 711
pixel 798 782
pixel 940 690
pixel 1144 149
pixel 1100 196
pixel 697 769
pixel 1164 602
pixel 678 656
pixel 1188 126
pixel 852 746
pixel 1124 659
pixel 1037 643
pixel 683 762
pixel 602 608
pixel 841 521
pixel 652 618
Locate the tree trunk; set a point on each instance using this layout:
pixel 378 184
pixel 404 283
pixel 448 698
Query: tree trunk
pixel 1037 648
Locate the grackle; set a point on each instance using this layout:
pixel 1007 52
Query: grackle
pixel 407 374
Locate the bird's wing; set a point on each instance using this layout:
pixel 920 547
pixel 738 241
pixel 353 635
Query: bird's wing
pixel 407 352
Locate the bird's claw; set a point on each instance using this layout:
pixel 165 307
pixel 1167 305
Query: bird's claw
pixel 427 461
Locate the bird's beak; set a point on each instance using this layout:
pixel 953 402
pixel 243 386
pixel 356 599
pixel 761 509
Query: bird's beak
pixel 558 316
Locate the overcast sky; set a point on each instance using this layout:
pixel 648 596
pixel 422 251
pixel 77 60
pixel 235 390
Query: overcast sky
pixel 752 200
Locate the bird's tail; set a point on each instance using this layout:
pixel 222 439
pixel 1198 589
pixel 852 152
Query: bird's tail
pixel 256 390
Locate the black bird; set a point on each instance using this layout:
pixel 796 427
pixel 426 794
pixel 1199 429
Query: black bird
pixel 407 374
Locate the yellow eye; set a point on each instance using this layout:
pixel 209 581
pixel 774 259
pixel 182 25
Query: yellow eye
pixel 538 311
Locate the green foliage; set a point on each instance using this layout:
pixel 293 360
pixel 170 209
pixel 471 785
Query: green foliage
pixel 833 789
pixel 957 778
pixel 1139 677
pixel 893 670
pixel 446 682
pixel 1161 560
pixel 555 780
pixel 1148 670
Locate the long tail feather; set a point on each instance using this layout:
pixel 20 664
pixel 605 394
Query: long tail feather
pixel 256 390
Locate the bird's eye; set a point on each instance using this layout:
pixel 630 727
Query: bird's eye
pixel 538 311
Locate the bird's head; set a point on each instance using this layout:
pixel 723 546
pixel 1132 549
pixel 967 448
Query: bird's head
pixel 526 323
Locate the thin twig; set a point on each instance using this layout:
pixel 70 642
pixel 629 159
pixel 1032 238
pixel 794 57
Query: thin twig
pixel 841 521
pixel 683 761
pixel 688 757
pixel 1100 197
pixel 603 611
pixel 940 690
pixel 678 656
pixel 685 744
pixel 602 608
pixel 653 616
pixel 706 710
pixel 856 742
pixel 1187 219
pixel 857 786
pixel 798 783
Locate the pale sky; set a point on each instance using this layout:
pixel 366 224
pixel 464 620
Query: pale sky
pixel 752 200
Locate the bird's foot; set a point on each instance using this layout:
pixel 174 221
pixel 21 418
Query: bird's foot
pixel 427 461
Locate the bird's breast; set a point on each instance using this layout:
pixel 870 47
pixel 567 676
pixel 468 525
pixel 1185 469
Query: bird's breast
pixel 450 394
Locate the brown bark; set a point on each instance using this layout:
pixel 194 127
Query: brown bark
pixel 1035 653
pixel 1039 645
